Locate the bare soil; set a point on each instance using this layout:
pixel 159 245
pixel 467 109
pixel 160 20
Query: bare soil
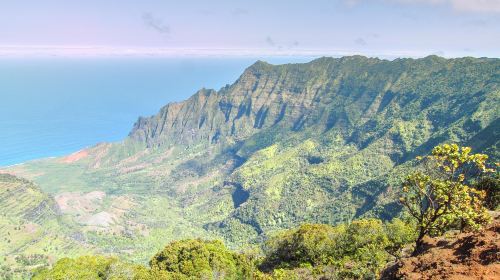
pixel 465 256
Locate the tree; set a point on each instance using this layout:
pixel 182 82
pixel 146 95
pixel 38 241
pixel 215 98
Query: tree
pixel 400 234
pixel 201 259
pixel 438 195
pixel 308 245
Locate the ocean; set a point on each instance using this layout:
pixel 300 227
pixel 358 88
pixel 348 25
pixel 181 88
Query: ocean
pixel 56 106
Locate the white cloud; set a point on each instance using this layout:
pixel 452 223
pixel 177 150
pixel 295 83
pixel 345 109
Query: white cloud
pixel 490 6
pixel 477 5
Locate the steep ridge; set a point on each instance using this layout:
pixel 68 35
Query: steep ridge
pixel 350 93
pixel 325 141
pixel 348 125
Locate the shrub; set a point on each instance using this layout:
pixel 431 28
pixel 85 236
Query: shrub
pixel 98 268
pixel 491 186
pixel 310 244
pixel 438 196
pixel 358 250
pixel 202 259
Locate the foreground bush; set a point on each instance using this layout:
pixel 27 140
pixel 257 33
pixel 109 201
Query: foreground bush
pixel 308 245
pixel 199 259
pixel 97 268
pixel 439 196
pixel 354 251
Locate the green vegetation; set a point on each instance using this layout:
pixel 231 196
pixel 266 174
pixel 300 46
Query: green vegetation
pixel 31 230
pixel 439 196
pixel 357 250
pixel 326 142
pixel 491 186
pixel 96 268
pixel 199 259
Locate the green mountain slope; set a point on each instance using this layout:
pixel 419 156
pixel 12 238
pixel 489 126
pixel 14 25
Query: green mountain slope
pixel 31 228
pixel 324 141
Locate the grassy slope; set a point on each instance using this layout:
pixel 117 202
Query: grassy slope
pixel 30 226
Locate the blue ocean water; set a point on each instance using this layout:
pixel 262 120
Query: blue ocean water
pixel 51 107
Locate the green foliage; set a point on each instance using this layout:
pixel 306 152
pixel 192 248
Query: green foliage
pixel 88 267
pixel 309 245
pixel 198 259
pixel 311 251
pixel 400 233
pixel 360 249
pixel 331 136
pixel 98 268
pixel 491 186
pixel 439 196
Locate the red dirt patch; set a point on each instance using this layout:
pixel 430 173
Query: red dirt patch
pixel 467 256
pixel 75 156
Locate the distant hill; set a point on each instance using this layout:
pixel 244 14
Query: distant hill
pixel 325 141
pixel 30 227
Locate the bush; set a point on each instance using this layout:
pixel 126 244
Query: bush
pixel 98 268
pixel 310 244
pixel 491 186
pixel 202 259
pixel 358 250
pixel 362 250
pixel 400 234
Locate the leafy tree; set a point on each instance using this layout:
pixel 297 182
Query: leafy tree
pixel 202 259
pixel 308 245
pixel 439 195
pixel 400 233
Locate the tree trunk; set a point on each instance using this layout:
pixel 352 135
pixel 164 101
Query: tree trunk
pixel 418 243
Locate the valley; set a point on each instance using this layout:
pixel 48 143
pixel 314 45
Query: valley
pixel 321 142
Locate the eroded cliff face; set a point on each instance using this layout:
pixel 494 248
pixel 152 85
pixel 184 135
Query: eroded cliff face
pixel 358 96
pixel 287 96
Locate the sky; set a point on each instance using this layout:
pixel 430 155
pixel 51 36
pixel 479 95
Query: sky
pixel 394 28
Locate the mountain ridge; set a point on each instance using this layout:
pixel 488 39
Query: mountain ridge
pixel 325 141
pixel 243 99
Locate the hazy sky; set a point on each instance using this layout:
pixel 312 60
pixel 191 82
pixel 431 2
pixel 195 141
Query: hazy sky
pixel 373 27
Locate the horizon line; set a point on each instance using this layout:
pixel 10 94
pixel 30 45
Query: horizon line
pixel 96 51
